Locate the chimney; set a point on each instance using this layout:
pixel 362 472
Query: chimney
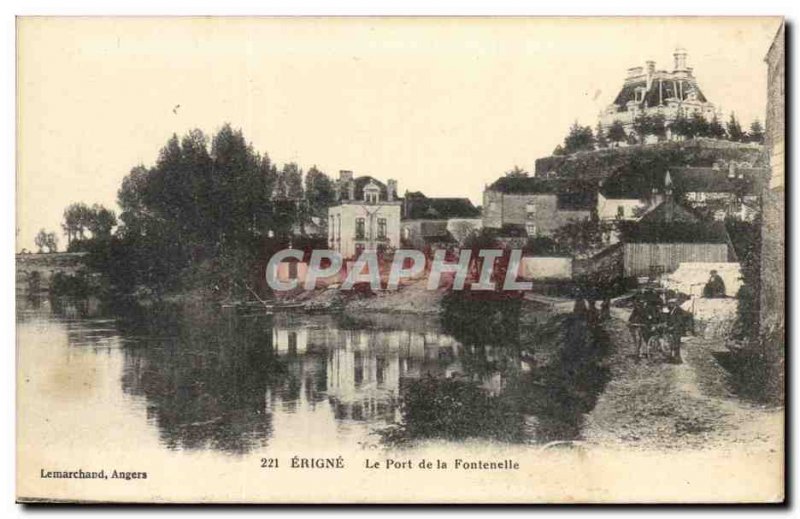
pixel 345 181
pixel 391 189
pixel 680 59
pixel 651 70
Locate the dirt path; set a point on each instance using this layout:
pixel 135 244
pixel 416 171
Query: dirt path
pixel 654 404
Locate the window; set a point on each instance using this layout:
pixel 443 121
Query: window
pixel 371 197
pixel 620 211
pixel 292 270
pixel 381 228
pixel 359 228
pixel 531 229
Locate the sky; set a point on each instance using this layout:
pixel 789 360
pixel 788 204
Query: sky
pixel 443 105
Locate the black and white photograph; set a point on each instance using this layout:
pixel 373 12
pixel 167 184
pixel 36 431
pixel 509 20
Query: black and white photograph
pixel 400 260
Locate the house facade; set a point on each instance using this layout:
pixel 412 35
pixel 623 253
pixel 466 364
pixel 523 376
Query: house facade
pixel 539 206
pixel 437 222
pixel 366 217
pixel 723 191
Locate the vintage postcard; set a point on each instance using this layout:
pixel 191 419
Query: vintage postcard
pixel 400 260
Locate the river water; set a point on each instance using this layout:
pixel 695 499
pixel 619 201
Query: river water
pixel 194 378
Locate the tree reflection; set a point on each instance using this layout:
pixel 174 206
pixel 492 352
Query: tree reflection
pixel 205 377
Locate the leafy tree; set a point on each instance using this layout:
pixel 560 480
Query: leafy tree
pixel 517 172
pixel 641 127
pixel 658 126
pixel 320 192
pixel 735 132
pixel 602 141
pixel 756 133
pixel 46 240
pixel 200 210
pixel 77 218
pixel 616 132
pixel 559 150
pixel 681 127
pixel 101 221
pixel 583 238
pixel 579 138
pixel 290 180
pixel 40 240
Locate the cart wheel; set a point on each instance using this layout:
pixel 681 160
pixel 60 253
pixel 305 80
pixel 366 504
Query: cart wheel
pixel 652 346
pixel 666 346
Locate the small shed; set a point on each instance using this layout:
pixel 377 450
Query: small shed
pixel 671 234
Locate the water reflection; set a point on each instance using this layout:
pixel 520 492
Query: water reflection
pixel 213 380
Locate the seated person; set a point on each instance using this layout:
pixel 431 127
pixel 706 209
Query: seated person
pixel 715 286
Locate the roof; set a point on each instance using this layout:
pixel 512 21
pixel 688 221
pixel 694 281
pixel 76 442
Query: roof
pixel 711 180
pixel 673 222
pixel 572 194
pixel 531 185
pixel 674 232
pixel 671 211
pixel 634 183
pixel 417 206
pixel 360 183
pixel 661 89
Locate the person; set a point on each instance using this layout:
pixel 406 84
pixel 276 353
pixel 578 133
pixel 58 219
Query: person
pixel 715 287
pixel 678 322
pixel 638 322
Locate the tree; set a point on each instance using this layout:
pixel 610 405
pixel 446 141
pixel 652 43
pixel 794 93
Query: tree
pixel 51 242
pixel 320 192
pixel 735 132
pixel 715 129
pixel 658 126
pixel 756 133
pixel 616 132
pixel 582 237
pixel 642 127
pixel 699 125
pixel 46 240
pixel 517 172
pixel 602 141
pixel 579 138
pixel 40 240
pixel 198 211
pixel 681 127
pixel 101 221
pixel 77 218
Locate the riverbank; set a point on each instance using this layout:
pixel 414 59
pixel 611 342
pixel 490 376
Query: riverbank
pixel 649 404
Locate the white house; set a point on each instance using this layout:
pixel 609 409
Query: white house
pixel 367 216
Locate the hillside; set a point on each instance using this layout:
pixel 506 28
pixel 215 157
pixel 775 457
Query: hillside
pixel 646 164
